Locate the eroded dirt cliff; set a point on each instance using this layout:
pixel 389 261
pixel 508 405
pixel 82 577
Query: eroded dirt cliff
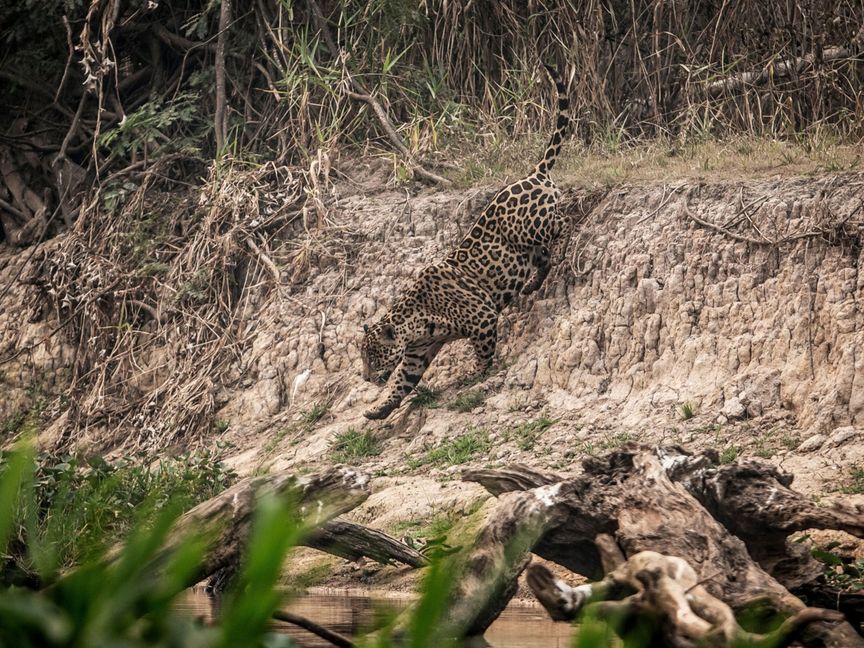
pixel 722 315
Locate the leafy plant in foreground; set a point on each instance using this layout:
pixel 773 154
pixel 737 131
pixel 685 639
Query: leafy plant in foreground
pixel 76 506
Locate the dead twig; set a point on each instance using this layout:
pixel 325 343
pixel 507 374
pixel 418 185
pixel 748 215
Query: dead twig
pixel 663 202
pixel 685 209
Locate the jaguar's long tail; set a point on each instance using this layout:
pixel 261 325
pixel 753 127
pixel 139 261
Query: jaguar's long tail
pixel 554 147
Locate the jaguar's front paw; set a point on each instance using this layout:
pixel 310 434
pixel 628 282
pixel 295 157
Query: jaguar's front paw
pixel 379 413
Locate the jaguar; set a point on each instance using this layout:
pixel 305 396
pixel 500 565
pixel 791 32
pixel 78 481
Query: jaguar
pixel 508 250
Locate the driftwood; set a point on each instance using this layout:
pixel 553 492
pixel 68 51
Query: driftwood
pixel 671 504
pixel 329 493
pixel 325 633
pixel 352 541
pixel 650 589
pixel 225 519
pixel 339 538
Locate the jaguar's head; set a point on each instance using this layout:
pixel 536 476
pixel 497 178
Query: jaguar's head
pixel 380 352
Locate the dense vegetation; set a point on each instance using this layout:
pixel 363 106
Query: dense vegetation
pixel 102 90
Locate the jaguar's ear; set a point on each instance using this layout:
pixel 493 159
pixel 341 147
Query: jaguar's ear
pixel 365 328
pixel 388 332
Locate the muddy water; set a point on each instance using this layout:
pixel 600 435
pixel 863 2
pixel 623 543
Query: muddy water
pixel 520 626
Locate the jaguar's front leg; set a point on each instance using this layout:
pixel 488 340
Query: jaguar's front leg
pixel 484 342
pixel 408 374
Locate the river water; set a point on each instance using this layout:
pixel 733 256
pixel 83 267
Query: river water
pixel 520 626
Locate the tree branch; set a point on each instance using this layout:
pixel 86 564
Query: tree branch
pixel 302 622
pixel 220 120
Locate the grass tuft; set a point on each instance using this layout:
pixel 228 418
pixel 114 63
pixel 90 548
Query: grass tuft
pixel 426 397
pixel 686 410
pixel 467 401
pixel 526 434
pixel 729 454
pixel 856 483
pixel 455 452
pixel 317 412
pixel 352 445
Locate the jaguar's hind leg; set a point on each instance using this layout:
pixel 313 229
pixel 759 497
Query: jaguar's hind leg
pixel 414 363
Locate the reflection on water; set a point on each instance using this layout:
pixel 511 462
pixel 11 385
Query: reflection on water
pixel 520 626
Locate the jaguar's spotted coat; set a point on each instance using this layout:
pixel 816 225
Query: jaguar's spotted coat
pixel 461 296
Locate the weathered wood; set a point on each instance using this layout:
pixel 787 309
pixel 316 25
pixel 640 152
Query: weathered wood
pixel 352 541
pixel 631 495
pixel 226 518
pixel 662 599
pixel 488 576
pixel 485 577
pixel 513 478
pixel 753 501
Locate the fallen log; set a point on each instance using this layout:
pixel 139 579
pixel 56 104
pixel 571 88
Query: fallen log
pixel 352 541
pixel 325 633
pixel 343 539
pixel 641 498
pixel 752 499
pixel 225 520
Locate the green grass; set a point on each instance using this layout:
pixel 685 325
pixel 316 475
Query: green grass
pixel 764 451
pixel 352 445
pixel 526 435
pixel 273 442
pixel 772 441
pixel 856 482
pixel 313 575
pixel 25 422
pixel 713 428
pixel 132 600
pixel 686 410
pixel 425 397
pixel 454 452
pixel 437 526
pixel 82 505
pixel 615 441
pixel 317 412
pixel 307 422
pixel 12 424
pixel 467 401
pixel 729 454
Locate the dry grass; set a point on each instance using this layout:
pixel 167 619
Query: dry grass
pixel 734 158
pixel 158 297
